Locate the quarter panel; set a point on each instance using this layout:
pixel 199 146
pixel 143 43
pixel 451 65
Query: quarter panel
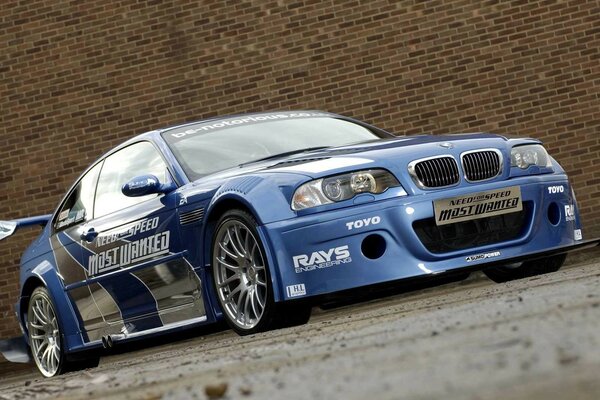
pixel 69 318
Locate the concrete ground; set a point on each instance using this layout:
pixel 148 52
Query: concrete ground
pixel 537 338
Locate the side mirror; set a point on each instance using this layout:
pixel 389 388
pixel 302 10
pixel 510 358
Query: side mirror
pixel 144 185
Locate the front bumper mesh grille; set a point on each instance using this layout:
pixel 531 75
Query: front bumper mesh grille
pixel 474 233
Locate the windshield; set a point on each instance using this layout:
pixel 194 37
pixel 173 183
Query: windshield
pixel 208 147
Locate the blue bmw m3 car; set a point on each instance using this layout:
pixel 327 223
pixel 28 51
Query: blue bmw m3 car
pixel 255 218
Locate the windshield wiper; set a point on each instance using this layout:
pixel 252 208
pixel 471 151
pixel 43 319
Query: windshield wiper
pixel 285 154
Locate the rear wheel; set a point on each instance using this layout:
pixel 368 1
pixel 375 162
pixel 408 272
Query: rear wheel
pixel 242 279
pixel 526 269
pixel 46 339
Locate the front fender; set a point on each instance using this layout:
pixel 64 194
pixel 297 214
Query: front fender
pixel 265 196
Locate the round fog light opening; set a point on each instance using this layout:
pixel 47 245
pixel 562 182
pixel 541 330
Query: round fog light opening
pixel 554 214
pixel 373 246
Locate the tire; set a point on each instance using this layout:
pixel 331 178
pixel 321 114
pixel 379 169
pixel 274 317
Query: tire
pixel 526 269
pixel 242 280
pixel 46 339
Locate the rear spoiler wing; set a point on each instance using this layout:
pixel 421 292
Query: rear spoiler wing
pixel 8 228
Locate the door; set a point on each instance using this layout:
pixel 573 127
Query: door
pixel 132 251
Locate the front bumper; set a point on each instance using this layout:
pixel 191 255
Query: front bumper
pixel 377 242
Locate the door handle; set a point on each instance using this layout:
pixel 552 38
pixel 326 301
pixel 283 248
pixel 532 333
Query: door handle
pixel 89 235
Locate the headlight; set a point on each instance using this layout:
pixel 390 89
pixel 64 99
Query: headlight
pixel 342 187
pixel 528 155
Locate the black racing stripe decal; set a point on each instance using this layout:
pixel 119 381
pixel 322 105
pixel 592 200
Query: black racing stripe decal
pixel 174 285
pixel 134 300
pixel 106 304
pixel 66 263
pixel 69 245
pixel 86 252
pixel 151 294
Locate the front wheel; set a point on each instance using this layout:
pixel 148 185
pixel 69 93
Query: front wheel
pixel 242 279
pixel 46 340
pixel 526 269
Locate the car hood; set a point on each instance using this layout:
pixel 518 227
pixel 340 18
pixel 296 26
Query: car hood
pixel 393 154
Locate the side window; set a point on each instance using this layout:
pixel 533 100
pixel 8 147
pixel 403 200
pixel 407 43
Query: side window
pixel 138 159
pixel 80 203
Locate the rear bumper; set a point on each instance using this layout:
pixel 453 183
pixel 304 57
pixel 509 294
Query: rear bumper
pixel 331 251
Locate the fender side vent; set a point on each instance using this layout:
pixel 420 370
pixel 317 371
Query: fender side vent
pixel 190 217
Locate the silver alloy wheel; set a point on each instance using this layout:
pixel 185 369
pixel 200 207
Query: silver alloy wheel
pixel 240 274
pixel 44 335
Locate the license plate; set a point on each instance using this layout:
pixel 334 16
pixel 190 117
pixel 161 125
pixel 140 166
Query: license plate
pixel 478 205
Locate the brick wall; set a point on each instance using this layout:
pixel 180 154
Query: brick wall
pixel 77 77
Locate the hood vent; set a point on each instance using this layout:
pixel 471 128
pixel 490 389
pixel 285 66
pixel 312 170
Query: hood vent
pixel 297 161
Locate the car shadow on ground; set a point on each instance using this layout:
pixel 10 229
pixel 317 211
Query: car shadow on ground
pixel 180 337
pixel 376 292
